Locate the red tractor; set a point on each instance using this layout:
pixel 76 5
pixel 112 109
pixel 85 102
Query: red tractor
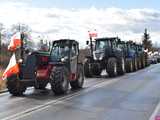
pixel 59 67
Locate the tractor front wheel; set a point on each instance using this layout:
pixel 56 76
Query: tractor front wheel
pixel 78 83
pixel 59 80
pixel 112 67
pixel 87 70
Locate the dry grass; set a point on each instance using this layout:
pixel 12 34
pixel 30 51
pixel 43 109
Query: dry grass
pixel 2 82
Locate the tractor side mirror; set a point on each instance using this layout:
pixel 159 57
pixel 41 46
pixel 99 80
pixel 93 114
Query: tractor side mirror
pixel 87 42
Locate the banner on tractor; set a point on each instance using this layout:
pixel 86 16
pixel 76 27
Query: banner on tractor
pixel 12 68
pixel 15 42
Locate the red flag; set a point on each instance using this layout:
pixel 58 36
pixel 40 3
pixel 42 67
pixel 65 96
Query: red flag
pixel 12 68
pixel 92 34
pixel 15 42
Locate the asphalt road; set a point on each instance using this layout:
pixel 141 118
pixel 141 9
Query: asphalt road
pixel 134 96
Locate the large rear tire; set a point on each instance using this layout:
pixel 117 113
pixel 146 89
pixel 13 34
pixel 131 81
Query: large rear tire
pixel 78 83
pixel 59 80
pixel 95 69
pixel 112 67
pixel 129 65
pixel 121 67
pixel 14 86
pixel 135 64
pixel 87 70
pixel 143 61
pixel 139 64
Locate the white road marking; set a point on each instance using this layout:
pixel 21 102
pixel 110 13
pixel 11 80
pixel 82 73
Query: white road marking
pixel 155 112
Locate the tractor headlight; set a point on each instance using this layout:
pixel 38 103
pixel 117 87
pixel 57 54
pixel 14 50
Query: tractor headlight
pixel 101 57
pixel 98 56
pixel 62 60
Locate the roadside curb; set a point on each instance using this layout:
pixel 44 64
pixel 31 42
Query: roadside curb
pixel 3 91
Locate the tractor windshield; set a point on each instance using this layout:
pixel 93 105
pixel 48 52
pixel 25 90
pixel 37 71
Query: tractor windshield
pixel 121 46
pixel 101 44
pixel 129 46
pixel 59 51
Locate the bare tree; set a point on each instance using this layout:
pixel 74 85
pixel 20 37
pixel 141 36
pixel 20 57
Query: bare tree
pixel 25 29
pixel 1 28
pixel 20 28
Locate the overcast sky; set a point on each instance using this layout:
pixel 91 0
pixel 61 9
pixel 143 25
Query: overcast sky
pixel 73 18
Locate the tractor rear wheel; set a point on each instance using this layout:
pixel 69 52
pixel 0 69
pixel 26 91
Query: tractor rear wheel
pixel 14 86
pixel 139 64
pixel 143 62
pixel 135 64
pixel 112 67
pixel 59 80
pixel 87 70
pixel 78 83
pixel 96 69
pixel 121 67
pixel 129 65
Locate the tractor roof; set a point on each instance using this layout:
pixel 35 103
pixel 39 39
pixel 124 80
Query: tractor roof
pixel 66 40
pixel 107 38
pixel 130 42
pixel 121 42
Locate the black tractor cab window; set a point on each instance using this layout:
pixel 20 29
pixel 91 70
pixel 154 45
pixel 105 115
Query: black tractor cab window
pixel 114 45
pixel 101 44
pixel 121 46
pixel 74 50
pixel 129 46
pixel 59 51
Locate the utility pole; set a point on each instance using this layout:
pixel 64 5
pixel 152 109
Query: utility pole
pixel 22 43
pixel 91 46
pixel 91 35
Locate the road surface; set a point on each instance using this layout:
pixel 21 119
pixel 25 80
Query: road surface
pixel 134 96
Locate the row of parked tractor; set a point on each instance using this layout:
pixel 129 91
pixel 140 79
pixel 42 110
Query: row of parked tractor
pixel 60 66
pixel 115 56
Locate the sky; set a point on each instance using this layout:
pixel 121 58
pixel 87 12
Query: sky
pixel 56 19
pixel 67 4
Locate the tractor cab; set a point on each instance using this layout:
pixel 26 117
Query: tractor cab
pixel 103 43
pixel 130 49
pixel 106 47
pixel 65 52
